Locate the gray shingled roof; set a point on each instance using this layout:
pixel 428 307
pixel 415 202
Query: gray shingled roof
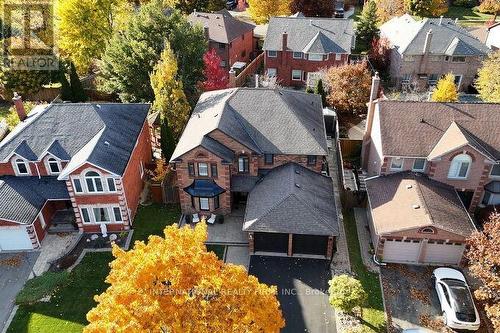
pixel 64 129
pixel 24 197
pixel 241 183
pixel 222 26
pixel 448 38
pixel 414 128
pixel 264 120
pixel 292 199
pixel 314 35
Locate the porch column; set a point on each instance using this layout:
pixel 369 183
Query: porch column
pixel 290 244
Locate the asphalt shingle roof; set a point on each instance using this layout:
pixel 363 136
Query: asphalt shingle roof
pixel 406 200
pixel 292 199
pixel 22 198
pixel 264 120
pixel 222 26
pixel 314 35
pixel 64 129
pixel 415 128
pixel 448 38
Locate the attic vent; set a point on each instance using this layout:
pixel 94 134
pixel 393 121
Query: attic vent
pixel 106 143
pixel 409 186
pixel 98 106
pixel 297 185
pixel 415 206
pixel 216 115
pixel 422 120
pixel 297 172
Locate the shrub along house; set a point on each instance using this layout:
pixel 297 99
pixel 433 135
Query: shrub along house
pixel 263 149
pixel 71 167
pixel 297 48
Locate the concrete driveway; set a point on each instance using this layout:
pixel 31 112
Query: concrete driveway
pixel 302 291
pixel 15 269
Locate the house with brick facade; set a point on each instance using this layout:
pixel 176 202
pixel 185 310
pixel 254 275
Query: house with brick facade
pixel 297 48
pixel 424 50
pixel 448 154
pixel 72 168
pixel 231 38
pixel 264 150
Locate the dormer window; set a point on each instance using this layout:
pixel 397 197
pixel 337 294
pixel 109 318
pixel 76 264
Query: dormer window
pixel 54 166
pixel 22 167
pixel 94 182
pixel 459 168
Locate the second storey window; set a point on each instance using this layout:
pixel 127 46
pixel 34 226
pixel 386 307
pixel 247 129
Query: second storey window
pixel 397 163
pixel 243 165
pixel 268 158
pixel 315 57
pixel 77 184
pixel 54 166
pixel 495 171
pixel 419 164
pixel 213 170
pixel 111 185
pixel 191 169
pixel 297 55
pixel 222 46
pixel 272 54
pixel 311 160
pixel 203 169
pixel 22 167
pixel 460 166
pixel 338 56
pixel 94 182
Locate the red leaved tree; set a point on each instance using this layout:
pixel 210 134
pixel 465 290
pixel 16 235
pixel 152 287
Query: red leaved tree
pixel 215 76
pixel 380 54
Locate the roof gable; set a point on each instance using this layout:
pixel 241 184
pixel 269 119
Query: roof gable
pixel 222 26
pixel 322 44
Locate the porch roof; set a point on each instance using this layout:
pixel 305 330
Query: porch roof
pixel 206 188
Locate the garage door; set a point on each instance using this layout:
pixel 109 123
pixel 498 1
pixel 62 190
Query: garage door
pixel 309 244
pixel 443 253
pixel 14 238
pixel 270 242
pixel 401 251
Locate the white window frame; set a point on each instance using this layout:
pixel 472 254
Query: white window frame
pixel 81 185
pixel 300 75
pixel 274 70
pixel 50 160
pixel 16 168
pixel 395 159
pixel 456 166
pixel 459 62
pixel 205 164
pixel 110 211
pixel 274 54
pixel 300 55
pixel 423 167
pixel 207 202
pixel 491 172
pixel 338 56
pixel 94 178
pixel 315 56
pixel 110 179
pixel 459 81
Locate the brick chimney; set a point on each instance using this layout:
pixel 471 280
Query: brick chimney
pixel 425 58
pixel 374 93
pixel 428 39
pixel 284 42
pixel 206 33
pixel 18 104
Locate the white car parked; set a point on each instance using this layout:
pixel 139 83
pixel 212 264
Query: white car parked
pixel 457 305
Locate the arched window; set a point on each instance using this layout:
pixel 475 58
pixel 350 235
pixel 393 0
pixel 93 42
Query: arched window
pixel 460 166
pixel 22 167
pixel 427 230
pixel 94 182
pixel 54 166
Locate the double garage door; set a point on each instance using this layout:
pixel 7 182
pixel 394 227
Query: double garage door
pixel 410 251
pixel 301 244
pixel 14 238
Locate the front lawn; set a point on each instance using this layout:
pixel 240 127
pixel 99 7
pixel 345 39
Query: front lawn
pixel 151 220
pixel 373 313
pixel 66 310
pixel 468 16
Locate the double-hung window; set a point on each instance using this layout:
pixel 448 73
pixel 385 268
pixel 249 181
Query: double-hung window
pixel 243 164
pixel 419 165
pixel 111 184
pixel 203 169
pixel 77 185
pixel 204 204
pixel 191 169
pixel 213 170
pixel 272 54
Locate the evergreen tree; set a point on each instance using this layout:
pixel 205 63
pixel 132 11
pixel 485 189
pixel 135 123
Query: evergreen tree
pixel 367 28
pixel 320 90
pixel 77 92
pixel 167 140
pixel 66 93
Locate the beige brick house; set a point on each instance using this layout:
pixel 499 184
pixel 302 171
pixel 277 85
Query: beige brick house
pixel 423 51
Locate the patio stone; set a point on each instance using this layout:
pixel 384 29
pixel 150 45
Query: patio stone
pixel 53 247
pixel 238 255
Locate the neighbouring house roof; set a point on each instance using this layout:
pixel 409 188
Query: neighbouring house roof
pixel 312 35
pixel 292 199
pixel 406 201
pixel 408 36
pixel 263 120
pixel 22 198
pixel 222 26
pixel 101 134
pixel 493 187
pixel 429 129
pixel 206 188
pixel 240 183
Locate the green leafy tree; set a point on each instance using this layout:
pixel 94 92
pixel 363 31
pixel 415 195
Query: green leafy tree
pixel 133 53
pixel 320 90
pixel 188 6
pixel 366 28
pixel 426 8
pixel 77 92
pixel 446 90
pixel 262 10
pixel 346 293
pixel 488 80
pixel 170 99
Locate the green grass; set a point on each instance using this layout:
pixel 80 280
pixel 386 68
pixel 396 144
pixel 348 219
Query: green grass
pixel 151 220
pixel 66 310
pixel 468 16
pixel 41 286
pixel 373 313
pixel 217 249
pixel 4 111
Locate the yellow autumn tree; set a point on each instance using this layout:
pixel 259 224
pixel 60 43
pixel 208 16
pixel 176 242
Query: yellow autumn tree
pixel 172 284
pixel 488 79
pixel 262 10
pixel 170 99
pixel 446 90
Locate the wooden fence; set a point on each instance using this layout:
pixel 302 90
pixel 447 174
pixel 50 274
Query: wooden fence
pixel 251 69
pixel 349 147
pixel 43 95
